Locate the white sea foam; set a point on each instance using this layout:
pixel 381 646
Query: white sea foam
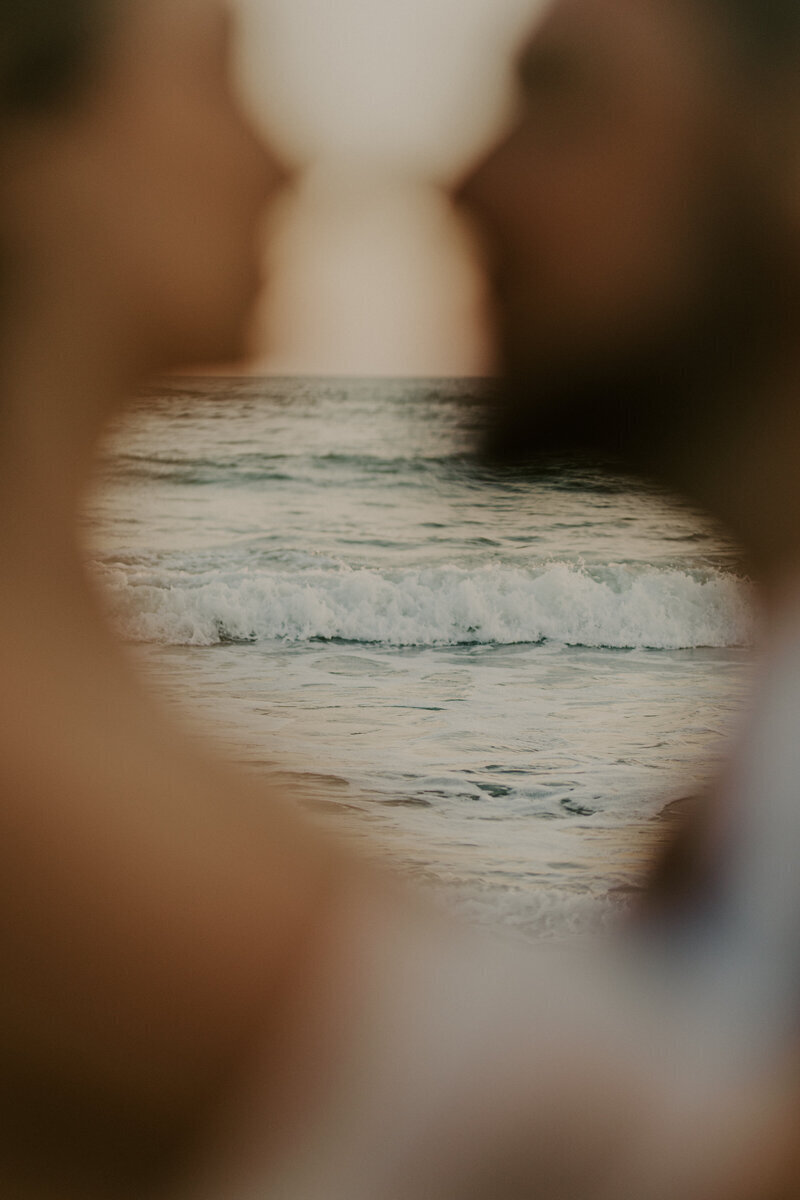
pixel 536 913
pixel 614 606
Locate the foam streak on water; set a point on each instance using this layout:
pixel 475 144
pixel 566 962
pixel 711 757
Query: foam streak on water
pixel 506 679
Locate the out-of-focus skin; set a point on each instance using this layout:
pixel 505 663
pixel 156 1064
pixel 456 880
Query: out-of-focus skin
pixel 160 914
pixel 641 230
pixel 588 207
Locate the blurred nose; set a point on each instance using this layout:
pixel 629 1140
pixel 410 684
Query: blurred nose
pixel 279 173
pixel 474 194
pixel 272 171
pixel 466 191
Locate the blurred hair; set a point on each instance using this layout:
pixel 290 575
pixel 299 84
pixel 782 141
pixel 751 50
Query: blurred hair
pixel 45 50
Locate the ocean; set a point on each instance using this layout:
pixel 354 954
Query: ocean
pixel 498 683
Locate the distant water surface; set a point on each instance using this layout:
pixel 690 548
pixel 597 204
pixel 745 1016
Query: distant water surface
pixel 503 681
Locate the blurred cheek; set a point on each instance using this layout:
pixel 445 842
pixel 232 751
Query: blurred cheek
pixel 582 233
pixel 188 260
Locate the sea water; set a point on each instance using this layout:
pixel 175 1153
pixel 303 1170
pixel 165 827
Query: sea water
pixel 499 681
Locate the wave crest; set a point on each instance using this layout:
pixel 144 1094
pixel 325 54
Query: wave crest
pixel 615 606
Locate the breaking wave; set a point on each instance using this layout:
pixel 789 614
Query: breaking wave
pixel 614 606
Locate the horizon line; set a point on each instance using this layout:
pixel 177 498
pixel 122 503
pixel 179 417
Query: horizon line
pixel 239 374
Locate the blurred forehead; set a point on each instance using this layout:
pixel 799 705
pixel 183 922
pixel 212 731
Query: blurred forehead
pixel 155 41
pixel 171 21
pixel 658 45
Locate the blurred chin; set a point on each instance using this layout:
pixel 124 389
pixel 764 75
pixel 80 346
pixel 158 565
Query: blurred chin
pixel 565 397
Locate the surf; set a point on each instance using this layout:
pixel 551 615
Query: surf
pixel 615 606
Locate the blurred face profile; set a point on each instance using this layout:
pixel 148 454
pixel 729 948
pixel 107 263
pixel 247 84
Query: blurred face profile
pixel 149 186
pixel 626 236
